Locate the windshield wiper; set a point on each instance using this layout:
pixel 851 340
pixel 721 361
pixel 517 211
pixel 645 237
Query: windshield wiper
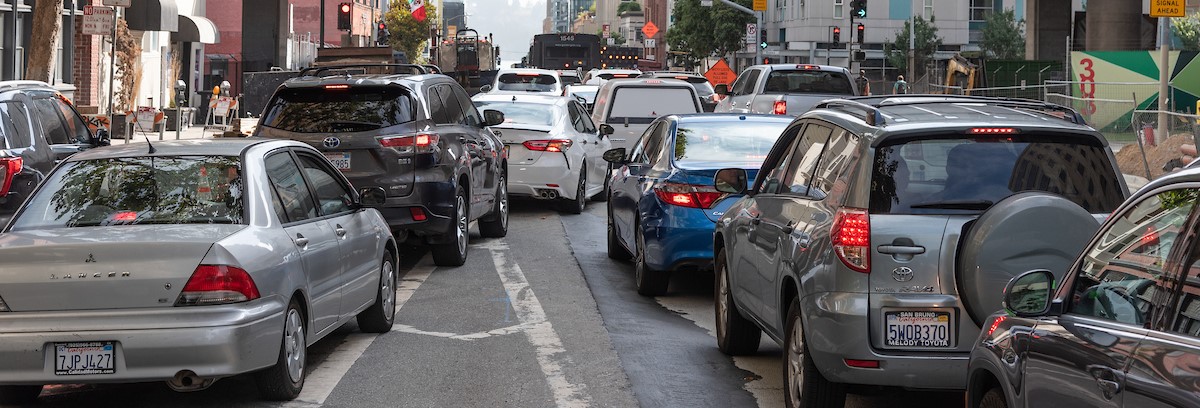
pixel 956 204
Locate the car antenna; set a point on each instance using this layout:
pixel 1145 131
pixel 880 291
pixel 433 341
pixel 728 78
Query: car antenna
pixel 152 149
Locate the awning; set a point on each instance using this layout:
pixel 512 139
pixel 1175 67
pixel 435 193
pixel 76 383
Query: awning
pixel 153 15
pixel 196 29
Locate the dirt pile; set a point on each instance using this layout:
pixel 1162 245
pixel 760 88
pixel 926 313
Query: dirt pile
pixel 1129 158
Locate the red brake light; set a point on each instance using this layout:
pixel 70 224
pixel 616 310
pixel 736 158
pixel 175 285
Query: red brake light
pixel 681 77
pixel 421 143
pixel 780 107
pixel 553 145
pixel 217 284
pixel 808 67
pixel 417 213
pixel 995 325
pixel 851 236
pixel 862 363
pixel 11 166
pixel 688 195
pixel 992 131
pixel 125 216
pixel 342 86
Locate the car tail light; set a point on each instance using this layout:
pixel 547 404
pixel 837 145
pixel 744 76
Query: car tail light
pixel 417 213
pixel 553 145
pixel 688 195
pixel 851 236
pixel 992 131
pixel 4 306
pixel 10 166
pixel 780 107
pixel 216 285
pixel 421 143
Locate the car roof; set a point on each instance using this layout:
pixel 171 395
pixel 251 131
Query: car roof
pixel 615 82
pixel 187 147
pixel 363 80
pixel 523 98
pixel 17 85
pixel 527 71
pixel 779 67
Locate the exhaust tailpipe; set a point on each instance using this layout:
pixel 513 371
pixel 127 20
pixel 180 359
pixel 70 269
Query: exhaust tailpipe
pixel 188 381
pixel 547 194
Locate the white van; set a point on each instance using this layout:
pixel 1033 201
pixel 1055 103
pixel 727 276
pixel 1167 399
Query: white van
pixel 526 81
pixel 630 105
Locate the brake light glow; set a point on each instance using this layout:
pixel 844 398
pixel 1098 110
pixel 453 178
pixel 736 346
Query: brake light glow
pixel 421 143
pixel 417 213
pixel 216 285
pixel 342 86
pixel 862 363
pixel 851 236
pixel 11 166
pixel 653 81
pixel 780 107
pixel 620 75
pixel 688 195
pixel 808 67
pixel 992 131
pixel 553 145
pixel 125 216
pixel 995 325
pixel 681 77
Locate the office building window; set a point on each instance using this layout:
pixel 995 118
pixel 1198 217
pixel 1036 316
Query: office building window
pixel 981 8
pixel 838 6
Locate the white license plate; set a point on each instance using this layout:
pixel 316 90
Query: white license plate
pixel 85 358
pixel 340 160
pixel 917 329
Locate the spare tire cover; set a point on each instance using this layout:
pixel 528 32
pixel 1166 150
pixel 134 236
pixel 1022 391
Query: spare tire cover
pixel 1026 231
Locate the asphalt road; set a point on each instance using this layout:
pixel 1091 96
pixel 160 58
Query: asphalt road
pixel 541 318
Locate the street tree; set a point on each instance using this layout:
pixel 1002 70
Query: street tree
pixel 43 40
pixel 927 42
pixel 1188 31
pixel 1002 38
pixel 702 32
pixel 628 6
pixel 407 34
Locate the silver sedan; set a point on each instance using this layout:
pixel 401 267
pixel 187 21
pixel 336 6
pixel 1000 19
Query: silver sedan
pixel 188 262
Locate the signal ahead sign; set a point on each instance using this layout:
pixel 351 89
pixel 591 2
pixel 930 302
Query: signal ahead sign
pixel 1166 8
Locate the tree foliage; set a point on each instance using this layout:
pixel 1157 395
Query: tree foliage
pixel 927 42
pixel 407 34
pixel 1188 31
pixel 701 32
pixel 1002 37
pixel 628 6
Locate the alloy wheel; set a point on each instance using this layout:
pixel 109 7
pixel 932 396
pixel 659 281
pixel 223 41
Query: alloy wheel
pixel 795 361
pixel 460 233
pixel 722 302
pixel 387 292
pixel 503 202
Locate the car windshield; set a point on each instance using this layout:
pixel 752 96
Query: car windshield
pixel 699 144
pixel 333 110
pixel 589 96
pixel 138 190
pixel 969 175
pixel 808 81
pixel 519 113
pixel 530 82
pixel 643 104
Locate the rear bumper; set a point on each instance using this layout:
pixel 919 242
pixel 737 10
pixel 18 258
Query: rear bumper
pixel 528 180
pixel 434 199
pixel 681 239
pixel 152 345
pixel 834 326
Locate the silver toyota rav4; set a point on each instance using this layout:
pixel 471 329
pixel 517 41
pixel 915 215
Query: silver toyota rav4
pixel 880 232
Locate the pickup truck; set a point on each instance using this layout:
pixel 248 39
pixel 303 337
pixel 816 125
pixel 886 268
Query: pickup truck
pixel 784 89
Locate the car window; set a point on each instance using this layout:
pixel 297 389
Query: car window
pixel 643 104
pixel 639 153
pixel 1186 316
pixel 355 109
pixel 454 112
pixel 576 118
pixel 290 186
pixel 746 82
pixel 470 114
pixel 531 82
pixel 76 128
pixel 522 113
pixel 1122 276
pixel 769 182
pixel 588 125
pixel 969 174
pixel 53 127
pixel 655 145
pixel 807 81
pixel 833 169
pixel 703 143
pixel 332 196
pixel 14 122
pixel 812 144
pixel 437 111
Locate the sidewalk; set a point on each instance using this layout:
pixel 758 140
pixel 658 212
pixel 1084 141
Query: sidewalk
pixel 191 132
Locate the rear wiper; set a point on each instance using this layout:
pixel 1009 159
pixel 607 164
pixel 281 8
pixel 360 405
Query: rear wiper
pixel 956 204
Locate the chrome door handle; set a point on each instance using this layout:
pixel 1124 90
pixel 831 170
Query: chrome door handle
pixel 341 232
pixel 301 241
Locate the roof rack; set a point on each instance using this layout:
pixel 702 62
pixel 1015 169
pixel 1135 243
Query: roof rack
pixel 361 69
pixel 1069 113
pixel 870 113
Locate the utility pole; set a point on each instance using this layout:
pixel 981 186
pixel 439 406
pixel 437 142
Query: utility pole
pixel 1164 88
pixel 322 39
pixel 912 47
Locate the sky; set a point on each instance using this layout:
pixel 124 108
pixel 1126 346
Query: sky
pixel 512 23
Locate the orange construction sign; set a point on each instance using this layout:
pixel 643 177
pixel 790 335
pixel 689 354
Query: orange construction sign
pixel 720 74
pixel 649 29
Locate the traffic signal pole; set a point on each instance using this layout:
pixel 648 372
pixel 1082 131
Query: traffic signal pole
pixel 758 18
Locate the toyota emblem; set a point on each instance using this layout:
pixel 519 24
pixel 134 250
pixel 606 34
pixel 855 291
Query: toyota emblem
pixel 331 142
pixel 902 274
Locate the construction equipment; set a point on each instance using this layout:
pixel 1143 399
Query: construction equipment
pixel 470 59
pixel 960 75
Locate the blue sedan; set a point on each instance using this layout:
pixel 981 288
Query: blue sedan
pixel 663 206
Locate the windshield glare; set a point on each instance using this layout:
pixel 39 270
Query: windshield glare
pixel 517 113
pixel 808 81
pixel 738 141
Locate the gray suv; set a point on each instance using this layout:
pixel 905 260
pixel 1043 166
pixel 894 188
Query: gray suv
pixel 878 232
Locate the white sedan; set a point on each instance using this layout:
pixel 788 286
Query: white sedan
pixel 555 151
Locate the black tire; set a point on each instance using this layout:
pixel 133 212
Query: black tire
pixel 379 317
pixel 284 380
pixel 810 389
pixel 736 335
pixel 579 203
pixel 19 394
pixel 650 282
pixel 496 226
pixel 454 253
pixel 615 250
pixel 603 196
pixel 994 398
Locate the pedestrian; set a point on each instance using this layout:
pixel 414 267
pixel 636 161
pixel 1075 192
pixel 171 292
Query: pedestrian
pixel 900 87
pixel 864 85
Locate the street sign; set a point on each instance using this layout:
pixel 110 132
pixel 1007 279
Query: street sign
pixel 720 74
pixel 606 32
pixel 97 20
pixel 1166 8
pixel 612 41
pixel 650 43
pixel 118 3
pixel 760 5
pixel 751 33
pixel 649 29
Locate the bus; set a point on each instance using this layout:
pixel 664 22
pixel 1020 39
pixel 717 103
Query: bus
pixel 565 51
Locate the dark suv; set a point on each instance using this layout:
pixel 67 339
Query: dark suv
pixel 418 138
pixel 38 127
pixel 878 231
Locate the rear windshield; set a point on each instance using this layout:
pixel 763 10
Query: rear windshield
pixel 138 190
pixel 522 113
pixel 941 176
pixel 527 82
pixel 735 141
pixel 643 104
pixel 319 110
pixel 808 81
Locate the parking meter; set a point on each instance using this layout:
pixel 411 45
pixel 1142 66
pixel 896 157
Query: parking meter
pixel 180 93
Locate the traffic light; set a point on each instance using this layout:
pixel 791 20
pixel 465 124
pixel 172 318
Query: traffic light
pixel 862 29
pixel 766 60
pixel 837 35
pixel 382 35
pixel 344 15
pixel 858 8
pixel 762 37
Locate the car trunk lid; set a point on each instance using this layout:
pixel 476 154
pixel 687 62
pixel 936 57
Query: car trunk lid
pixel 515 137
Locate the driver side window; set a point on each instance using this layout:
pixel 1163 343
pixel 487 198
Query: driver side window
pixel 1124 274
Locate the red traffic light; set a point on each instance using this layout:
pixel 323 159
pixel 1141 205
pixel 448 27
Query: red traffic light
pixel 345 7
pixel 837 30
pixel 382 26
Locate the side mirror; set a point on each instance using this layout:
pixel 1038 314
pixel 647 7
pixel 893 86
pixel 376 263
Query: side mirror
pixel 721 89
pixel 492 117
pixel 732 181
pixel 606 129
pixel 372 196
pixel 485 88
pixel 103 138
pixel 615 155
pixel 1028 294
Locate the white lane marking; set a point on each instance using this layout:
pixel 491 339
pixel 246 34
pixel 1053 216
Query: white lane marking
pixel 404 328
pixel 325 377
pixel 551 354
